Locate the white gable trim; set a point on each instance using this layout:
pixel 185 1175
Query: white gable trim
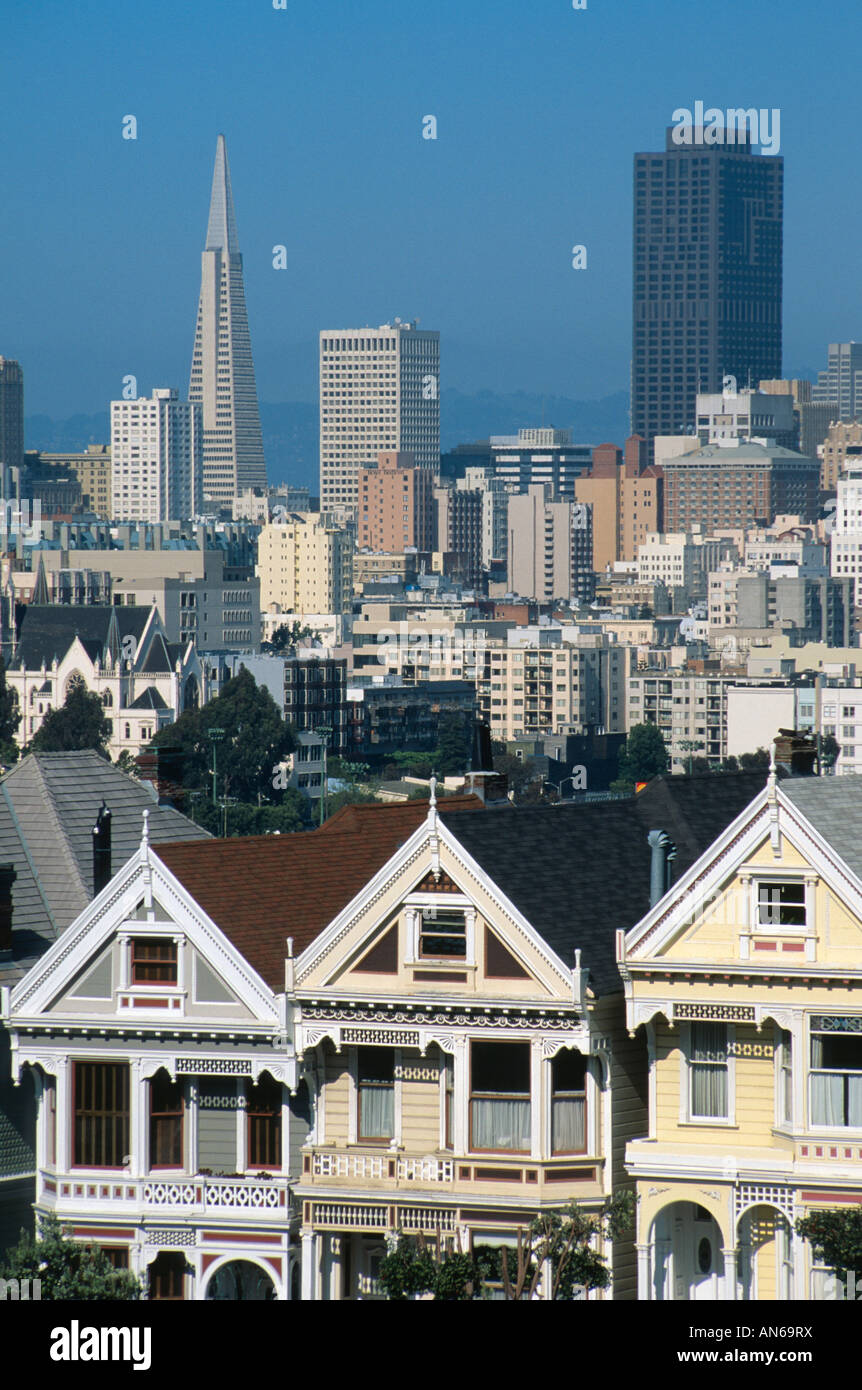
pixel 97 924
pixel 428 838
pixel 670 916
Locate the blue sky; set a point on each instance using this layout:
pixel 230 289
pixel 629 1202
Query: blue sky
pixel 539 107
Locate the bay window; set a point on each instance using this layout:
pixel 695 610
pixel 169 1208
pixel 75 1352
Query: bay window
pixel 708 1072
pixel 375 1079
pixel 836 1076
pixel 166 1122
pixel 500 1096
pixel 101 1135
pixel 568 1102
pixel 263 1111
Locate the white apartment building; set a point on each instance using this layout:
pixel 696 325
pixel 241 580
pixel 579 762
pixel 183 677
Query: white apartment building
pixel 846 540
pixel 379 390
pixel 550 547
pixel 681 559
pixel 157 458
pixel 689 709
pixel 810 556
pixel 305 565
pixel 744 414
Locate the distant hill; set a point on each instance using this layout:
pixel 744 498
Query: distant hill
pixel 290 429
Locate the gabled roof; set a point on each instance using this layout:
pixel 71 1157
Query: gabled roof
pixel 576 873
pixel 48 806
pixel 833 805
pixel 262 889
pixel 47 632
pixel 148 699
pixel 157 660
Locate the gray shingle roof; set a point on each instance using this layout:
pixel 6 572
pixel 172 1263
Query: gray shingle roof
pixel 833 805
pixel 46 633
pixel 48 806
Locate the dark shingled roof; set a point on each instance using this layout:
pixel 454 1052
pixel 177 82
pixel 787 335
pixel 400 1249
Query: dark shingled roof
pixel 148 699
pixel 577 872
pixel 46 633
pixel 48 807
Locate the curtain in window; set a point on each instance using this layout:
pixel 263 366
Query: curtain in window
pixel 827 1089
pixel 567 1124
pixel 377 1112
pixel 501 1124
pixel 709 1070
pixel 854 1101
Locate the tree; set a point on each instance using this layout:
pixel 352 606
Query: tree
pixel 292 813
pixel 255 739
pixel 79 723
pixel 126 763
pixel 754 762
pixel 563 1242
pixel 643 755
pixel 67 1269
pixel 837 1239
pixel 829 751
pixel 454 732
pixel 287 637
pixel 10 718
pixel 520 773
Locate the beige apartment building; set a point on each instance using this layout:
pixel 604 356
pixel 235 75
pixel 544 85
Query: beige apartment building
pixel 550 547
pixel 843 444
pixel 305 565
pixel 93 471
pixel 626 501
pixel 565 688
pixel 396 505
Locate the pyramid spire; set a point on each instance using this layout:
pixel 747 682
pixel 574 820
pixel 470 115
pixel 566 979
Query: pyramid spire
pixel 221 228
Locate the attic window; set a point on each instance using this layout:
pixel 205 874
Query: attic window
pixel 154 961
pixel 781 904
pixel 443 932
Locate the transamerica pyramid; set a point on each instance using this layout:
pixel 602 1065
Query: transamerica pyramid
pixel 222 377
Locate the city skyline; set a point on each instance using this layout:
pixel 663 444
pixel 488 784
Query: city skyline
pixel 469 233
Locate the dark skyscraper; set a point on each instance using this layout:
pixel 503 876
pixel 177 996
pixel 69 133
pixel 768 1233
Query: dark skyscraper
pixel 706 298
pixel 11 420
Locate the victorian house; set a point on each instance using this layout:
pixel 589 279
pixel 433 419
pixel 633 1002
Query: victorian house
pixel 746 983
pixel 256 1059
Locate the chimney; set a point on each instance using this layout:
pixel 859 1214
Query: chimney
pixel 663 851
pixel 163 768
pixel 490 786
pixel 7 878
pixel 796 753
pixel 101 850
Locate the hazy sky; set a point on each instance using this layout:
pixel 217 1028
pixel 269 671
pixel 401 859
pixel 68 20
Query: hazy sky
pixel 539 107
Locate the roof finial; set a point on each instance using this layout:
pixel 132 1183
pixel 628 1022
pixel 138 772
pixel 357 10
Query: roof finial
pixel 432 803
pixel 145 836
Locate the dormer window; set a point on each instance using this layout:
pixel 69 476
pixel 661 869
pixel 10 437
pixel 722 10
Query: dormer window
pixel 781 904
pixel 443 933
pixel 154 961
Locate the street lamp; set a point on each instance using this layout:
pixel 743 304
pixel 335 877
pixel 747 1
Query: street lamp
pixel 559 786
pixel 215 735
pixel 690 746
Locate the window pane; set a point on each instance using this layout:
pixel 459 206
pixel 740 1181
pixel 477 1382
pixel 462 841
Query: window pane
pixel 567 1124
pixel 708 1042
pixel 376 1111
pixel 444 932
pixel 376 1064
pixel 503 1068
pixel 501 1124
pixel 101 1137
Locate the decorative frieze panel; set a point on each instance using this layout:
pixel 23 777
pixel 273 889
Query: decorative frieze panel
pixel 212 1066
pixel 836 1023
pixel 714 1013
pixel 750 1194
pixel 738 1048
pixel 381 1037
pixel 417 1071
pixel 167 1237
pixel 522 1020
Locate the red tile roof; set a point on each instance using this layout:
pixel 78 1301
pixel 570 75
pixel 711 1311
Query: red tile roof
pixel 262 889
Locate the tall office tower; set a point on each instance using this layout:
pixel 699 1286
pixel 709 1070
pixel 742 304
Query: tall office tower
pixel 707 278
pixel 379 391
pixel 11 419
pixel 550 547
pixel 841 384
pixel 156 458
pixel 222 378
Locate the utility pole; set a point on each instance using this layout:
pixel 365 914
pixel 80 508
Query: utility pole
pixel 215 735
pixel 325 735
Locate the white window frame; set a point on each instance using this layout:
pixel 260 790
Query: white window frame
pixel 811 1128
pixel 686 1117
pixel 784 1050
pixel 765 878
pixel 353 1118
pixel 413 907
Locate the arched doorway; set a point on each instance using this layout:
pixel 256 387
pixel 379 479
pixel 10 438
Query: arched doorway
pixel 687 1258
pixel 241 1281
pixel 191 694
pixel 765 1243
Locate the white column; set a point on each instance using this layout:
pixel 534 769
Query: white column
pixel 537 1100
pixel 730 1256
pixel 644 1289
pixel 461 1101
pixel 65 1117
pixel 138 1121
pixel 309 1266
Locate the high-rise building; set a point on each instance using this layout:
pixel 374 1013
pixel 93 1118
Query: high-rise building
pixel 550 552
pixel 813 417
pixel 93 471
pixel 156 458
pixel 379 390
pixel 222 377
pixel 396 509
pixel 738 483
pixel 707 278
pixel 747 414
pixel 11 420
pixel 841 384
pixel 540 455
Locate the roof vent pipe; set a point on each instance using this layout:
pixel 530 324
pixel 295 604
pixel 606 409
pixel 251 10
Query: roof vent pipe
pixel 663 850
pixel 101 850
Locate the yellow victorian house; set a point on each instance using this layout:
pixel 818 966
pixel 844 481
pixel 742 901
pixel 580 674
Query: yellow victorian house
pixel 746 982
